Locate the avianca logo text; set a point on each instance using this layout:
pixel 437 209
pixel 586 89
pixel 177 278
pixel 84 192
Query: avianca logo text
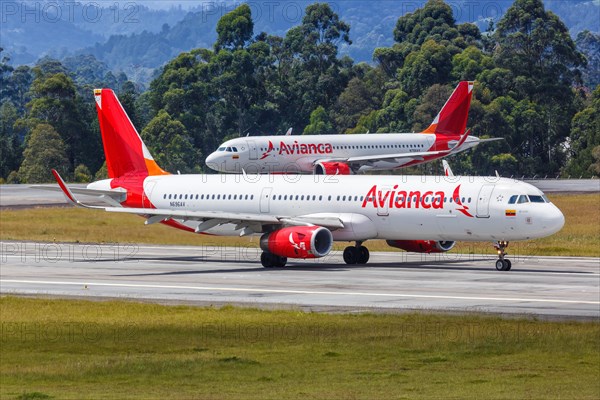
pixel 411 199
pixel 297 148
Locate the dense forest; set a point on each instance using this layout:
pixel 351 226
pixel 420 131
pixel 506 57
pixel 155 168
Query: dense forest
pixel 534 88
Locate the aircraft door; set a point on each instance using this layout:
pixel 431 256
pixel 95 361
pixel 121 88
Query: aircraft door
pixel 265 199
pixel 253 150
pixel 383 203
pixel 147 195
pixel 483 201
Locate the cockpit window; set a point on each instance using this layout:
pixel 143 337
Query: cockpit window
pixel 536 199
pixel 235 150
pixel 221 149
pixel 522 199
pixel 513 199
pixel 228 149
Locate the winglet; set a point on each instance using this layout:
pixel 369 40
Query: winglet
pixel 67 192
pixel 461 141
pixel 64 188
pixel 447 170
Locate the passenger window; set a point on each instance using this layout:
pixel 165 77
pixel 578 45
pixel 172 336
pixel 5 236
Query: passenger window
pixel 513 199
pixel 523 199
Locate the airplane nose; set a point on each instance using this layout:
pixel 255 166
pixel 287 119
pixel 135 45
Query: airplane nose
pixel 555 222
pixel 212 161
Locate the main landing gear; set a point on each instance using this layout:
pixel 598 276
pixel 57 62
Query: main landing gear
pixel 358 254
pixel 503 264
pixel 269 260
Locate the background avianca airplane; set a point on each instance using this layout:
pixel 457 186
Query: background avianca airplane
pixel 351 154
pixel 300 216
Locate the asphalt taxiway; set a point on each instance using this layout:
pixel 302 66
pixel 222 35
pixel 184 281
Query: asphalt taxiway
pixel 547 287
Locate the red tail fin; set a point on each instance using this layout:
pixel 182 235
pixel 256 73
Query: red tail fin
pixel 124 149
pixel 452 118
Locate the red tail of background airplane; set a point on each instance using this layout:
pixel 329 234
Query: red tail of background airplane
pixel 452 118
pixel 126 153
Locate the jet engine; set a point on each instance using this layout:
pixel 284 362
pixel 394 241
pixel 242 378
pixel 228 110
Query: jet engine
pixel 332 168
pixel 422 246
pixel 298 242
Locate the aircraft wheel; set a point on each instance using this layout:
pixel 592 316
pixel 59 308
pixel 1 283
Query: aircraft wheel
pixel 280 261
pixel 266 259
pixel 503 265
pixel 500 265
pixel 363 255
pixel 350 255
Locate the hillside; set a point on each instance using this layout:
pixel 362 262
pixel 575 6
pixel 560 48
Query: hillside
pixel 136 39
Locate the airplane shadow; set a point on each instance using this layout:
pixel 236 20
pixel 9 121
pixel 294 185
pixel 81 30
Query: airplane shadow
pixel 254 266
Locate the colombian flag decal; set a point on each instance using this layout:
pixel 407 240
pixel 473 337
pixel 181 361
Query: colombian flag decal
pixel 511 213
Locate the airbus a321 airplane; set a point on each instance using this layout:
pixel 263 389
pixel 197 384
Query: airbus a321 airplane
pixel 352 154
pixel 300 216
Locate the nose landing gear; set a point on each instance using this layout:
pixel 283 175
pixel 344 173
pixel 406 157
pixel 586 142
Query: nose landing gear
pixel 502 264
pixel 358 254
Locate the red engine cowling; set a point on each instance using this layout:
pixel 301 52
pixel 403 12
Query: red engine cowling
pixel 332 168
pixel 298 242
pixel 422 246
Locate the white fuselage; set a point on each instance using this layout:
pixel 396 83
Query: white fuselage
pixel 370 207
pixel 299 154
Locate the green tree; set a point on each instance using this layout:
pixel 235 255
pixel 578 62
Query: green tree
pixel 320 123
pixel 55 101
pixel 168 142
pixel 82 174
pixel 584 138
pixel 235 29
pixel 44 151
pixel 10 145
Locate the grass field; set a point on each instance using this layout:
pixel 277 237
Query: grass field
pixel 579 237
pixel 68 349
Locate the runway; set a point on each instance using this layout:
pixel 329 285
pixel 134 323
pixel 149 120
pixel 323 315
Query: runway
pixel 548 287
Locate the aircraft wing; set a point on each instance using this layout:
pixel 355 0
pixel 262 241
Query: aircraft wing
pixel 207 219
pixel 112 197
pixel 154 215
pixel 394 157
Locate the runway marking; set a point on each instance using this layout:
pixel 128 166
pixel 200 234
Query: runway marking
pixel 290 291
